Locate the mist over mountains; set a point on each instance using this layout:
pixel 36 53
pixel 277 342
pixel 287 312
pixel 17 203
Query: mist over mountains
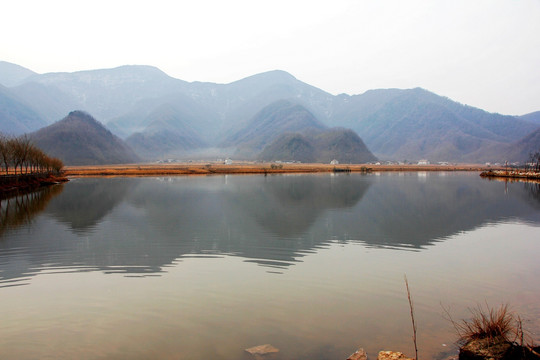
pixel 161 117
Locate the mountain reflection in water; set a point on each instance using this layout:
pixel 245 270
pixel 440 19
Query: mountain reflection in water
pixel 142 225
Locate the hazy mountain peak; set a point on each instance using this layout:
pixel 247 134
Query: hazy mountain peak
pixel 532 117
pixel 265 79
pixel 79 121
pixel 108 93
pixel 106 77
pixel 282 116
pixel 13 74
pixel 79 115
pixel 275 75
pixel 134 71
pixel 79 139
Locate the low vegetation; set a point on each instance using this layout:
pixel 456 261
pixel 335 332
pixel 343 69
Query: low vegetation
pixel 493 333
pixel 492 324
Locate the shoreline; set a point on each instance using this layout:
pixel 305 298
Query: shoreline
pixel 251 168
pixel 513 174
pixel 13 184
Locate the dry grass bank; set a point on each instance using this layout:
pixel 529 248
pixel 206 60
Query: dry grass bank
pixel 248 168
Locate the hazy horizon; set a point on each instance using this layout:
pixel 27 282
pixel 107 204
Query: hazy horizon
pixel 482 53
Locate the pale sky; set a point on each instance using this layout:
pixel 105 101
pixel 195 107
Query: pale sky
pixel 484 53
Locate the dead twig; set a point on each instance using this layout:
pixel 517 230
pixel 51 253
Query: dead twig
pixel 412 317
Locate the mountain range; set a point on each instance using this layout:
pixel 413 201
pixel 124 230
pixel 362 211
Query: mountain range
pixel 159 116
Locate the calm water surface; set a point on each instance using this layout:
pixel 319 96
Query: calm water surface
pixel 204 267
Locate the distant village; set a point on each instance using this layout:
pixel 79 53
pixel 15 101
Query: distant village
pixel 229 161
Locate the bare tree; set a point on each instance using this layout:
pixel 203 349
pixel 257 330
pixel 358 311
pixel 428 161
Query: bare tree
pixel 21 155
pixel 535 160
pixel 6 152
pixel 22 148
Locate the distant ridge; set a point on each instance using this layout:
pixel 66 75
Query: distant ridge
pixel 168 134
pixel 523 148
pixel 107 93
pixel 79 139
pixel 12 74
pixel 415 123
pixel 16 117
pixel 532 117
pixel 395 124
pixel 283 116
pixel 322 146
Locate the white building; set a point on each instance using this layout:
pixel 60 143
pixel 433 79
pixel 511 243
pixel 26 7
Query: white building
pixel 334 162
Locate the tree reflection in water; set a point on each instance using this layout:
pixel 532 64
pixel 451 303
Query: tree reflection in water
pixel 20 209
pixel 533 188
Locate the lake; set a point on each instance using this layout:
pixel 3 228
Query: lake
pixel 205 267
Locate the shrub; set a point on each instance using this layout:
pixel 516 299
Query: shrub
pixel 490 324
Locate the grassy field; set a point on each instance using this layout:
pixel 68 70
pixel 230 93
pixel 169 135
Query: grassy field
pixel 153 169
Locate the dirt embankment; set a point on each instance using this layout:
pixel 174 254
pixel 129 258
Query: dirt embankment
pixel 249 168
pixel 13 183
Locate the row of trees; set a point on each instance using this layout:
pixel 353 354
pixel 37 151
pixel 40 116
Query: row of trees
pixel 19 156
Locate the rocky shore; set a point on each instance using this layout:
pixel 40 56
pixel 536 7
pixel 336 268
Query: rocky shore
pixel 497 349
pixel 360 354
pixel 516 174
pixel 480 349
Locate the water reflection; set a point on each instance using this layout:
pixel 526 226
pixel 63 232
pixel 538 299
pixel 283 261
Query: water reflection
pixel 86 201
pixel 264 219
pixel 20 209
pixel 531 186
pixel 140 226
pixel 533 190
pixel 292 207
pixel 403 213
